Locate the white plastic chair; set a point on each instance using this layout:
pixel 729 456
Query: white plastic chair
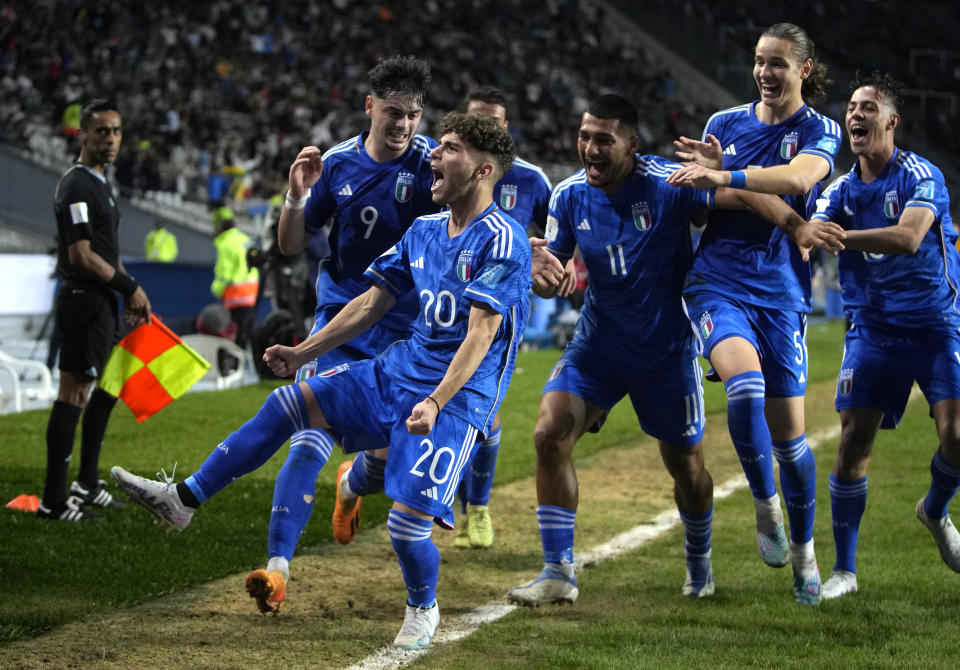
pixel 208 346
pixel 24 384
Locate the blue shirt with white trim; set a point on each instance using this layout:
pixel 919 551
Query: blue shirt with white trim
pixel 742 255
pixel 900 290
pixel 637 249
pixel 368 206
pixel 524 193
pixel 489 263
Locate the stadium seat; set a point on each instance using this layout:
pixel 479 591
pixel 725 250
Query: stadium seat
pixel 227 360
pixel 24 384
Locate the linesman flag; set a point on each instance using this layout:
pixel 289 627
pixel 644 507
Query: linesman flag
pixel 150 368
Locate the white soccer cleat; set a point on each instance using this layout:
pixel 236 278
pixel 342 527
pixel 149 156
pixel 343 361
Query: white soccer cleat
pixel 699 582
pixel 550 586
pixel 946 535
pixel 841 583
pixel 419 626
pixel 160 498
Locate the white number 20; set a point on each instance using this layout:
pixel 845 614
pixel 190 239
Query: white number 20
pixel 434 462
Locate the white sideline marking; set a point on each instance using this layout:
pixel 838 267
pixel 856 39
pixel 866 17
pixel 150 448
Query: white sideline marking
pixel 459 627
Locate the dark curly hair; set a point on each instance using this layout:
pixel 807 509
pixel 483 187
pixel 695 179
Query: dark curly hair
pixel 888 88
pixel 485 135
pixel 815 86
pixel 401 74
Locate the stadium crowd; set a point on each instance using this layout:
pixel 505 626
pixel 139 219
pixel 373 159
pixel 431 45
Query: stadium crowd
pixel 246 84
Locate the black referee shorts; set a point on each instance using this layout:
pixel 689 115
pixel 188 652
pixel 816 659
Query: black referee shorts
pixel 88 329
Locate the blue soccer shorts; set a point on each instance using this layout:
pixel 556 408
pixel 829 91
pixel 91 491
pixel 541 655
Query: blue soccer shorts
pixel 668 399
pixel 879 368
pixel 779 336
pixel 366 409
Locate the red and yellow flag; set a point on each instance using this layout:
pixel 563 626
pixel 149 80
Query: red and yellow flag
pixel 150 368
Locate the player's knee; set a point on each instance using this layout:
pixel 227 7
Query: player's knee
pixel 552 442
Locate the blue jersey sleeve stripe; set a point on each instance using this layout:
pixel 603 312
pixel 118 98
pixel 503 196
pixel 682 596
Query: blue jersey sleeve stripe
pixel 347 145
pixel 578 178
pixel 380 279
pixel 489 297
pixel 923 203
pixel 739 109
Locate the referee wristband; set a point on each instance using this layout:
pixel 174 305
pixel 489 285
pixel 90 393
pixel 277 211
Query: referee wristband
pixel 430 397
pixel 123 284
pixel 295 203
pixel 738 179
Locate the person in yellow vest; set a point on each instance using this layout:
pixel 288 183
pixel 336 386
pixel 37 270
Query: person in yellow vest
pixel 234 282
pixel 161 244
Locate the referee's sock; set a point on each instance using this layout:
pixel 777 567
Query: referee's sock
pixel 92 429
pixel 61 430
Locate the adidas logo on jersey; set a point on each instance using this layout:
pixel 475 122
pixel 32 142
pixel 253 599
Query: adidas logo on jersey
pixel 417 263
pixel 430 493
pixel 583 225
pixel 346 190
pixel 730 150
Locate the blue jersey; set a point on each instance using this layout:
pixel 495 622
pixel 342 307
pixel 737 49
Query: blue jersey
pixel 369 205
pixel 524 193
pixel 637 249
pixel 883 290
pixel 742 255
pixel 489 262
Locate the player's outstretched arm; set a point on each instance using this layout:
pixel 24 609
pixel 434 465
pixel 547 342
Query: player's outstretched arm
pixel 356 317
pixel 481 329
pixel 795 178
pixel 708 154
pixel 806 235
pixel 304 172
pixel 903 238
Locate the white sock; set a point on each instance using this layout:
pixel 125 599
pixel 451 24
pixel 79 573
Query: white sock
pixel 803 558
pixel 769 514
pixel 345 491
pixel 281 565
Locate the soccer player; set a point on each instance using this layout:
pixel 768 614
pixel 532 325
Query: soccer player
pixel 86 308
pixel 748 293
pixel 368 189
pixel 899 277
pixel 633 337
pixel 429 396
pixel 524 193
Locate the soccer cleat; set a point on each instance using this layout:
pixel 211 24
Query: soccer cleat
pixel 550 586
pixel 806 576
pixel 158 497
pixel 945 533
pixel 480 526
pixel 98 497
pixel 345 523
pixel 774 548
pixel 699 581
pixel 268 588
pixel 419 626
pixel 841 583
pixel 73 510
pixel 462 537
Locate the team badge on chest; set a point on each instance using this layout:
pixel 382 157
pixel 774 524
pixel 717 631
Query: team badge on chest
pixel 508 197
pixel 641 216
pixel 788 145
pixel 404 190
pixel 891 204
pixel 465 265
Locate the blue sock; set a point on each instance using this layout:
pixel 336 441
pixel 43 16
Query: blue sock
pixel 366 475
pixel 697 529
pixel 944 481
pixel 479 477
pixel 556 533
pixel 848 499
pixel 417 554
pixel 749 432
pixel 462 494
pixel 798 483
pixel 294 490
pixel 246 449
